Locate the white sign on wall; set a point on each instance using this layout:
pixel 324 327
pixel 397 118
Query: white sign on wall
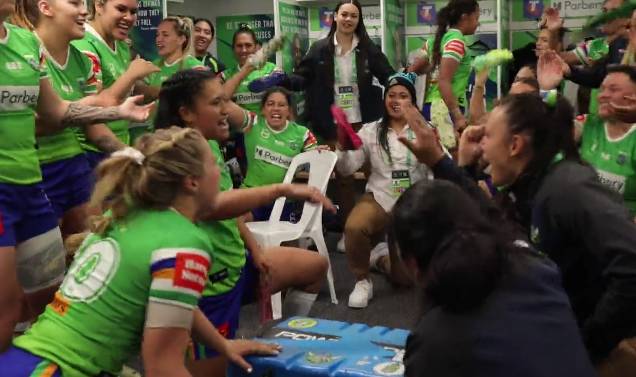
pixel 487 11
pixel 578 8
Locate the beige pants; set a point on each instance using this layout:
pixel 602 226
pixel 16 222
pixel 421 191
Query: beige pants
pixel 365 228
pixel 621 362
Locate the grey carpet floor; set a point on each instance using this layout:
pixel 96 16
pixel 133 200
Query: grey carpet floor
pixel 391 306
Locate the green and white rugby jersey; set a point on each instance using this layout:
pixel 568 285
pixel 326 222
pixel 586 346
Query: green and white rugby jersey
pixel 112 63
pixel 242 96
pixel 96 321
pixel 269 152
pixel 453 46
pixel 228 248
pixel 594 50
pixel 21 69
pixel 74 80
pixel 167 70
pixel 614 160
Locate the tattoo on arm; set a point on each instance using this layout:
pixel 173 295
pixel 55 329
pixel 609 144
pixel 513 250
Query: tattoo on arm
pixel 78 115
pixel 108 144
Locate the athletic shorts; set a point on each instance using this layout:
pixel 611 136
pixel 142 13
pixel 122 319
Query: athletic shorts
pixel 17 362
pixel 94 158
pixel 223 310
pixel 290 212
pixel 25 212
pixel 67 183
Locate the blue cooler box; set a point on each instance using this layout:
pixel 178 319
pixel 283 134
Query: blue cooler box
pixel 318 347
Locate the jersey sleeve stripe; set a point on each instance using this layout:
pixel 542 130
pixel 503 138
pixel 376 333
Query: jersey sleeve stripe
pixel 162 264
pixel 457 46
pixel 452 55
pixel 310 141
pixel 167 253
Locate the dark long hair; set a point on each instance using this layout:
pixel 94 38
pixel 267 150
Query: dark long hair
pixel 449 16
pixel 384 125
pixel 461 254
pixel 361 30
pixel 179 90
pixel 550 128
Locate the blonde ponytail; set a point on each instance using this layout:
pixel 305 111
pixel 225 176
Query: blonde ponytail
pixel 124 183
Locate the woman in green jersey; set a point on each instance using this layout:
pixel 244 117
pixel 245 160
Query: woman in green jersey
pixel 110 21
pixel 445 99
pixel 196 99
pixel 66 174
pixel 174 44
pixel 276 132
pixel 31 251
pixel 132 279
pixel 607 143
pixel 244 44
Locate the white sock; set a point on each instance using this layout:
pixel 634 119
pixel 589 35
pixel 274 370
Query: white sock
pixel 298 302
pixel 22 327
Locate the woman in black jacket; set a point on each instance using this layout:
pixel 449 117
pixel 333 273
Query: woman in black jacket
pixel 495 306
pixel 567 213
pixel 339 69
pixel 327 76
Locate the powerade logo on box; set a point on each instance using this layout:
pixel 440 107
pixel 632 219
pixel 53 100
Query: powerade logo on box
pixel 277 333
pixel 15 98
pixel 272 157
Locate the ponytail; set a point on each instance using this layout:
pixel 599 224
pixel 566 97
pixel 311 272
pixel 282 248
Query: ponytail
pixel 92 11
pixel 184 27
pixel 152 181
pixel 549 127
pixel 26 14
pixel 178 91
pixel 449 16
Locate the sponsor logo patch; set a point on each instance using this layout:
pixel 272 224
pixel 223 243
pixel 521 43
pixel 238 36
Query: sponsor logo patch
pixel 191 271
pixel 614 181
pixel 272 157
pixel 14 98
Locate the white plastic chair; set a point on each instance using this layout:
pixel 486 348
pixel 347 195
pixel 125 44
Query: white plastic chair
pixel 274 231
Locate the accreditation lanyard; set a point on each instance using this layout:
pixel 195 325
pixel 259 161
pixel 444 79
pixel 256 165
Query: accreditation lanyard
pixel 345 92
pixel 401 179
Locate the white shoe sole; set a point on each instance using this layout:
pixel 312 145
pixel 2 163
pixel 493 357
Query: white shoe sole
pixel 360 306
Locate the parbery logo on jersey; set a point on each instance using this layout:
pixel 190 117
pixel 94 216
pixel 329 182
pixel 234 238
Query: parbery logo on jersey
pixel 248 98
pixel 15 98
pixel 272 157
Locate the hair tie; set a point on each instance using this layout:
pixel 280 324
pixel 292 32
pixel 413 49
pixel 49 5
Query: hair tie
pixel 132 153
pixel 549 97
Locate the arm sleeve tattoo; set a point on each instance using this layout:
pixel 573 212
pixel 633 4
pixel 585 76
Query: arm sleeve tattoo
pixel 78 115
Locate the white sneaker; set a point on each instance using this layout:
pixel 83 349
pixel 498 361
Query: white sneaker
pixel 361 294
pixel 380 250
pixel 341 245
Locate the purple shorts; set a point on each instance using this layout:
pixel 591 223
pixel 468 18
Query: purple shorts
pixel 17 362
pixel 25 212
pixel 223 310
pixel 67 183
pixel 94 158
